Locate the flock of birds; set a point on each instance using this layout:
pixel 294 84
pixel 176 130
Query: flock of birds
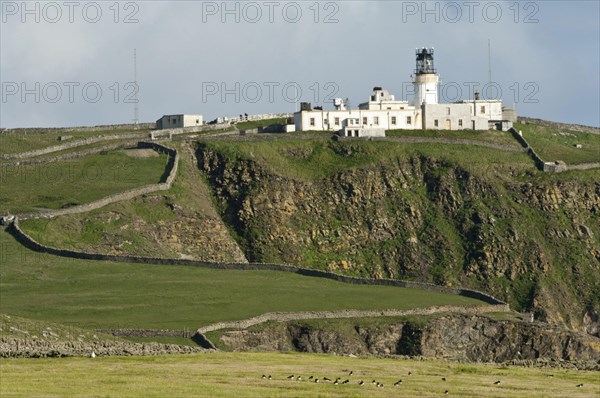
pixel 361 382
pixel 339 380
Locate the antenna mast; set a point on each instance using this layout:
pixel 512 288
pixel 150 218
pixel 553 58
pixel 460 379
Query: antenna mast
pixel 135 89
pixel 489 61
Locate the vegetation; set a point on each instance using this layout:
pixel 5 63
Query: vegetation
pixel 554 143
pixel 313 159
pixel 94 294
pixel 260 123
pixel 77 181
pixel 487 136
pixel 16 142
pixel 240 374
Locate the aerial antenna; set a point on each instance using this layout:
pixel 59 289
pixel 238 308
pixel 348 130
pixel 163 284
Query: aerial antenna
pixel 489 61
pixel 135 90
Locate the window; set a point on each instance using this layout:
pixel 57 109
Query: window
pixel 409 120
pixel 459 122
pixel 389 108
pixel 435 123
pixel 448 110
pixel 482 109
pixel 174 121
pixel 376 120
pixel 393 119
pixel 365 120
pixel 197 121
pixel 337 121
pixel 312 121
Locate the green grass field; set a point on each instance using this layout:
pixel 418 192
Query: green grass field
pixel 553 143
pixel 234 374
pixel 486 136
pixel 76 181
pixel 92 294
pixel 313 159
pixel 24 142
pixel 260 123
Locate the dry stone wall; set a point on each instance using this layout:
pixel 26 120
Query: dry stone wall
pixel 130 194
pixel 296 316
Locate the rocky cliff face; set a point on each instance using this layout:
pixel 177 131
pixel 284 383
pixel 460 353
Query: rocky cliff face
pixel 463 338
pixel 531 240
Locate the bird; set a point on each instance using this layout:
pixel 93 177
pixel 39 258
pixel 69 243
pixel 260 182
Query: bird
pixel 310 378
pixel 398 383
pixel 497 382
pixel 299 378
pixel 443 379
pixel 326 379
pixel 373 382
pixel 316 380
pixel 264 377
pixel 446 392
pixel 335 382
pixel 93 354
pixel 270 378
pixel 361 383
pixel 380 385
pixel 550 375
pixel 351 373
pixel 290 377
pixel 579 385
pixel 409 373
pixel 346 381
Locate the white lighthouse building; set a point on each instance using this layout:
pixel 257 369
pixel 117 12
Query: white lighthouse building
pixel 426 80
pixel 383 112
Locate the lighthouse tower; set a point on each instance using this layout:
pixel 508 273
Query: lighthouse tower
pixel 426 80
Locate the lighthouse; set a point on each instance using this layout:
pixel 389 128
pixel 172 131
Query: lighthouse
pixel 426 80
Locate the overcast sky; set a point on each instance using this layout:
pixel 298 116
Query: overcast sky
pixel 71 63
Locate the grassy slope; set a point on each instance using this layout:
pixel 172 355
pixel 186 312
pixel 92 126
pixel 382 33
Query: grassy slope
pixel 228 374
pixel 100 294
pixel 553 143
pixel 260 123
pixel 88 230
pixel 24 142
pixel 314 159
pixel 486 136
pixel 77 181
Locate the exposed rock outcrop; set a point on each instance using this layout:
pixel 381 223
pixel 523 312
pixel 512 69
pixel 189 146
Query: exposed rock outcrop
pixel 461 338
pixel 531 240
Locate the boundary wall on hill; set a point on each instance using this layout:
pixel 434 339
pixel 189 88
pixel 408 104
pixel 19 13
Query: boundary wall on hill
pixel 172 167
pixel 297 316
pixel 32 244
pixel 550 167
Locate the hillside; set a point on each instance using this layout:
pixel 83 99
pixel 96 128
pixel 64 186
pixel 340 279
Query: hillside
pixel 460 209
pixel 451 215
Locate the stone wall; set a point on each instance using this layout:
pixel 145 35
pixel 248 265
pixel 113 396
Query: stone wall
pixel 551 167
pixel 147 333
pixel 69 156
pixel 296 316
pixel 32 244
pixel 91 129
pixel 172 166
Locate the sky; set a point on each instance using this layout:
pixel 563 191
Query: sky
pixel 71 63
